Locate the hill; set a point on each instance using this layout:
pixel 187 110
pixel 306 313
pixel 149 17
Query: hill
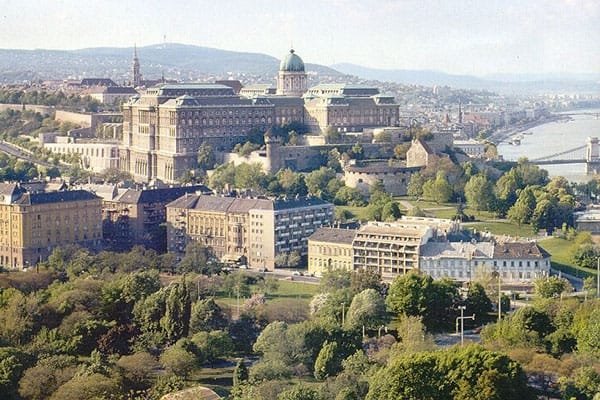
pixel 503 83
pixel 176 61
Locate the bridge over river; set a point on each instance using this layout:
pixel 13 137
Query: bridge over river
pixel 588 154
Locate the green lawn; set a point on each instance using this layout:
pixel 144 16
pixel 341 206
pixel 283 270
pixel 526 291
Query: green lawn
pixel 289 302
pixel 501 227
pixel 359 213
pixel 561 250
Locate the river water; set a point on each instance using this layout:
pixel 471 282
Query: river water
pixel 555 137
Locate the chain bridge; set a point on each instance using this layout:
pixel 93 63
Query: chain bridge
pixel 588 154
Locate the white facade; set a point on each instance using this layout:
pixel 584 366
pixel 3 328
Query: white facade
pixel 471 147
pixel 96 157
pixel 517 262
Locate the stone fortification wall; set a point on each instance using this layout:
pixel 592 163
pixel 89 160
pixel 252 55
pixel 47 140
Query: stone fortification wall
pixel 44 110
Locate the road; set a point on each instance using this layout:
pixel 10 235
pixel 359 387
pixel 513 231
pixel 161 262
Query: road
pixel 284 273
pixel 13 150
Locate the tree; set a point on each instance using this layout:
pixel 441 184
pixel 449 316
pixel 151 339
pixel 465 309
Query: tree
pixel 300 392
pixel 178 361
pixel 416 295
pixel 325 365
pixel 438 190
pixel 175 323
pixel 12 364
pixel 138 369
pixel 294 259
pixel 366 310
pixel 588 338
pixel 413 336
pixel 479 193
pixel 349 196
pixel 213 345
pixel 522 211
pixel 317 182
pixel 41 380
pixel 196 259
pixel 478 303
pixel 390 211
pixel 469 372
pixel 206 315
pixel 206 156
pixel 415 185
pixel 250 176
pixel 87 387
pixel 240 373
pixel 552 286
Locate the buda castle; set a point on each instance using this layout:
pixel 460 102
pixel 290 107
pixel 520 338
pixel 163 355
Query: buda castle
pixel 165 125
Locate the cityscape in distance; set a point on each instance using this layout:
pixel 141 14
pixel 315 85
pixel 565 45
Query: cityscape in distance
pixel 305 201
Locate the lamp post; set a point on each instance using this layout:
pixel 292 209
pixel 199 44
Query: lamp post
pixel 343 304
pixel 462 323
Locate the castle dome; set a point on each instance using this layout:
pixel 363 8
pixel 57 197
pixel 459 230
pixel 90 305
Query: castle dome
pixel 292 63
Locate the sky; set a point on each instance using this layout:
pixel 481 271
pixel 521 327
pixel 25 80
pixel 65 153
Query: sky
pixel 462 37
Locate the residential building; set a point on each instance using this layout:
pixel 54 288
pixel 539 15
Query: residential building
pixel 134 216
pixel 520 261
pixel 330 248
pixel 456 260
pixel 517 262
pixel 389 248
pixel 252 230
pixel 33 224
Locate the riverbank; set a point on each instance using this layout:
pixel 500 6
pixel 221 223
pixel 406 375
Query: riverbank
pixel 503 134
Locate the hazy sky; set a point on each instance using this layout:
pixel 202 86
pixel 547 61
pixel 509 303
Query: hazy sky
pixel 471 37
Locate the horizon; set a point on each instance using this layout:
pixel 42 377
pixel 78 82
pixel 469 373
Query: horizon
pixel 500 37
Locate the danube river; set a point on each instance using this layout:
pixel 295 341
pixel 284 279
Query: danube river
pixel 555 137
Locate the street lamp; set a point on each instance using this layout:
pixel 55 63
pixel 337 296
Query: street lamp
pixel 343 304
pixel 462 323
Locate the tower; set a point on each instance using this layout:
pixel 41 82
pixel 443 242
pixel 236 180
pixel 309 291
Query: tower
pixel 291 79
pixel 137 76
pixel 460 114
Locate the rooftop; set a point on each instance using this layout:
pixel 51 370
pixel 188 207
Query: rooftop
pixel 333 235
pixel 458 250
pixel 240 205
pixel 55 197
pixel 524 250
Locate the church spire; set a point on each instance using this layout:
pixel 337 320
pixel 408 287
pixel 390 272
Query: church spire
pixel 137 76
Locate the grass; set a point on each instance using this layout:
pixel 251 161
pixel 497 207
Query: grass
pixel 501 227
pixel 359 213
pixel 561 250
pixel 289 302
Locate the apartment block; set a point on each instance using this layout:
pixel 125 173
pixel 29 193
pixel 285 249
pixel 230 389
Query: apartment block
pixel 252 230
pixel 32 224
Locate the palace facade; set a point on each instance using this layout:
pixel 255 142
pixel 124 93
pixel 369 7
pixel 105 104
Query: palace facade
pixel 165 125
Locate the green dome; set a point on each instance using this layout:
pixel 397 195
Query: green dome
pixel 292 63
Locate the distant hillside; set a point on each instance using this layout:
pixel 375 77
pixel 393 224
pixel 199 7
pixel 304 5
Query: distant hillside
pixel 177 61
pixel 505 83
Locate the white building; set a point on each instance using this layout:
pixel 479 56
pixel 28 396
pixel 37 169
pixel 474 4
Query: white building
pixel 471 147
pixel 94 156
pixel 517 262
